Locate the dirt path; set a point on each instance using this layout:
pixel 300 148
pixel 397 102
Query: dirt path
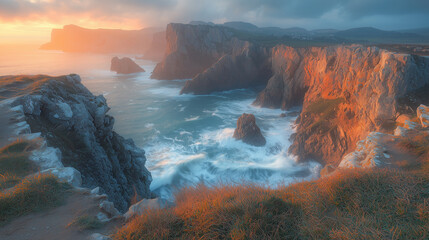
pixel 52 224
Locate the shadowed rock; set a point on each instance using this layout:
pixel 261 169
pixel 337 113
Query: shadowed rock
pixel 124 66
pixel 73 120
pixel 248 131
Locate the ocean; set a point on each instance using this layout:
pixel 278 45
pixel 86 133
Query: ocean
pixel 187 138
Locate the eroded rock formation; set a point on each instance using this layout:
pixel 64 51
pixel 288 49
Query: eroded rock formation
pixel 124 66
pixel 74 121
pixel 346 92
pixel 191 49
pixel 248 131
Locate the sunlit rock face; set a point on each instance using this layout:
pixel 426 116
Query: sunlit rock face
pixel 72 38
pixel 346 92
pixel 75 121
pixel 124 66
pixel 191 49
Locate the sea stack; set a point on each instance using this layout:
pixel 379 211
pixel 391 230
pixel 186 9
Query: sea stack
pixel 125 66
pixel 248 131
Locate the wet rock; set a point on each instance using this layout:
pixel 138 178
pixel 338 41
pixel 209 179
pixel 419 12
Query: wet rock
pixel 248 131
pixel 124 66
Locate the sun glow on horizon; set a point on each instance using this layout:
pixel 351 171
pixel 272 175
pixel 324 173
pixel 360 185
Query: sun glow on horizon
pixel 39 32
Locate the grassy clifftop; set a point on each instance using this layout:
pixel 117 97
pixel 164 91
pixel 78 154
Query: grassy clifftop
pixel 351 204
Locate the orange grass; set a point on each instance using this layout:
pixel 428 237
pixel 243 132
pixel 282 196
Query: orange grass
pixel 358 204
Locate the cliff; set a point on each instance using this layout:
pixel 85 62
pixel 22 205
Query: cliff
pixel 73 38
pixel 248 66
pixel 191 49
pixel 78 132
pixel 346 92
pixel 156 48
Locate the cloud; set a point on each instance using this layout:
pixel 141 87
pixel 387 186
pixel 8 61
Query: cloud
pixel 304 13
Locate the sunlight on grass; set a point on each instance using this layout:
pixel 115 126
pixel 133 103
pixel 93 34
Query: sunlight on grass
pixel 359 204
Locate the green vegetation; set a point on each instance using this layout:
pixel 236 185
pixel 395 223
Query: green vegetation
pixel 21 194
pixel 14 163
pixel 86 222
pixel 33 193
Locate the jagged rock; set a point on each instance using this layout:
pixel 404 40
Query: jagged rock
pixel 47 157
pixel 402 118
pixel 346 92
pixel 102 217
pixel 124 66
pixel 191 49
pixel 369 153
pixel 140 207
pixel 109 209
pixel 98 236
pixel 248 131
pixel 80 134
pixel 423 115
pixel 95 191
pixel 248 66
pixel 66 174
pixel 400 131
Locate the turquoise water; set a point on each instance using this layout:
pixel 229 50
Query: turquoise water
pixel 187 138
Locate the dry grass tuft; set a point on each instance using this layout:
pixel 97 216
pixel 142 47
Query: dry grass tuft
pixel 33 193
pixel 358 204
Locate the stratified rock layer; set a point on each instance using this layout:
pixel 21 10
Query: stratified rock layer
pixel 346 92
pixel 124 66
pixel 248 131
pixel 73 120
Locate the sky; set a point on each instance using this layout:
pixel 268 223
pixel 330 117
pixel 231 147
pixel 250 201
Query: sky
pixel 32 20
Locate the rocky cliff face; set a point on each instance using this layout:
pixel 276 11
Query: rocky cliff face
pixel 191 49
pixel 74 121
pixel 72 38
pixel 247 66
pixel 346 92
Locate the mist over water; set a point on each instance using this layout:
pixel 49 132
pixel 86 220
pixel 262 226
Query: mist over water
pixel 187 138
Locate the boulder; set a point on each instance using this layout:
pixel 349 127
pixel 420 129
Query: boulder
pixel 66 174
pixel 248 131
pixel 143 205
pixel 125 66
pixel 108 208
pixel 423 115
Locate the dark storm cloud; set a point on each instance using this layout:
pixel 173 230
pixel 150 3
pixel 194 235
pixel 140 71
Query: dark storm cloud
pixel 307 13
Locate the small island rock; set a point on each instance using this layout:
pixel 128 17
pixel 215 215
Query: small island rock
pixel 248 131
pixel 124 66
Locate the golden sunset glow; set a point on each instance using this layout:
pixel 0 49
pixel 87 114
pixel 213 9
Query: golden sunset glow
pixel 38 32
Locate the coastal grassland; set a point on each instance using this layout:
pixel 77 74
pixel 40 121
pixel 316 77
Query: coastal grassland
pixel 14 162
pixel 86 222
pixel 351 204
pixel 21 192
pixel 33 193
